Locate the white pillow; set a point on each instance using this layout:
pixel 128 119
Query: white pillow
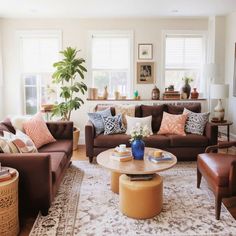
pixel 17 122
pixel 132 121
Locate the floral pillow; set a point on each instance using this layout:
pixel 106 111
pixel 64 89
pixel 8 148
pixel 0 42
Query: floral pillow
pixel 113 125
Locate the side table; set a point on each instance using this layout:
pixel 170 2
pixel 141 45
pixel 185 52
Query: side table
pixel 9 218
pixel 228 124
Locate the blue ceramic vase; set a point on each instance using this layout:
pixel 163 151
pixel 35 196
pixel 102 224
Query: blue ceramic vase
pixel 137 147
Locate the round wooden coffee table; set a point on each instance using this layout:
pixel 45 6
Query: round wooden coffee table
pixel 151 204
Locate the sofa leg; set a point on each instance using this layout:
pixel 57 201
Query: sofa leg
pixel 199 178
pixel 90 159
pixel 218 201
pixel 44 212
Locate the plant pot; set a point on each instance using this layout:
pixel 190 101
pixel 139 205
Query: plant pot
pixel 76 134
pixel 194 94
pixel 186 89
pixel 137 147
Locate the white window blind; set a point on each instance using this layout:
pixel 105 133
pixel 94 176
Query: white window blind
pixel 111 62
pixel 184 56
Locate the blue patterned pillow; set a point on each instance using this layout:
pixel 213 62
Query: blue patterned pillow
pixel 97 119
pixel 196 122
pixel 113 125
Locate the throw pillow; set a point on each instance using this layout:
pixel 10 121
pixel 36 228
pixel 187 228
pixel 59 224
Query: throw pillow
pixel 7 146
pixel 17 121
pixel 196 122
pixel 125 110
pixel 6 125
pixel 97 119
pixel 173 124
pixel 113 125
pixel 132 121
pixel 38 131
pixel 22 142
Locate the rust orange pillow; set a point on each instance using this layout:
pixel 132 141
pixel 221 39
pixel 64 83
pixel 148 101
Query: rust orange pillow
pixel 38 131
pixel 173 124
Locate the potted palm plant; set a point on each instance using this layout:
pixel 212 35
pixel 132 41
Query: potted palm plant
pixel 69 75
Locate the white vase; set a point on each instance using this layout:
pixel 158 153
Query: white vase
pixel 219 111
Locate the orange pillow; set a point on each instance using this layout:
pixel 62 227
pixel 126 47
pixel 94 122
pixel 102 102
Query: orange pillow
pixel 38 131
pixel 173 124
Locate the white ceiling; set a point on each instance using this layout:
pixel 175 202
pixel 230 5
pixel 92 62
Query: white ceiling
pixel 114 8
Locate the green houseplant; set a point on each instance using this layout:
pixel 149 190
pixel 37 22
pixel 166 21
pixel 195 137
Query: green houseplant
pixel 68 75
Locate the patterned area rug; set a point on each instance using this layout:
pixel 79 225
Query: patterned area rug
pixel 85 205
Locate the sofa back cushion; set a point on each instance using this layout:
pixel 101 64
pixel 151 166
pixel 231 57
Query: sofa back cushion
pixel 6 125
pixel 156 112
pixel 178 109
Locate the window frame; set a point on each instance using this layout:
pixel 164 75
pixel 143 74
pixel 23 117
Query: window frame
pixel 118 33
pixel 179 33
pixel 20 35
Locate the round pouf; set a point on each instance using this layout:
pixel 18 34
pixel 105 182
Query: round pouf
pixel 141 199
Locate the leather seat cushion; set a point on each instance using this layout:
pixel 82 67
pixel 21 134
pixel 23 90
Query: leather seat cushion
pixel 216 167
pixel 58 162
pixel 190 140
pixel 61 145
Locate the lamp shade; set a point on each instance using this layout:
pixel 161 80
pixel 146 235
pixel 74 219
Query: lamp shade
pixel 219 91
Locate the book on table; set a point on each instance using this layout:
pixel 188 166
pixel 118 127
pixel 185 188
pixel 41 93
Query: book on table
pixel 121 156
pixel 6 174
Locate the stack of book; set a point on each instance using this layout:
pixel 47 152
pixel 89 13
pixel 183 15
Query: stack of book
pixel 121 156
pixel 6 174
pixel 163 158
pixel 171 95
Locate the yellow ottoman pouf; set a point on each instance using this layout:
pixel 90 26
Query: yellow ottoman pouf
pixel 141 199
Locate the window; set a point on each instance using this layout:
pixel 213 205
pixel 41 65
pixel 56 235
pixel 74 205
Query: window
pixel 111 60
pixel 184 56
pixel 38 52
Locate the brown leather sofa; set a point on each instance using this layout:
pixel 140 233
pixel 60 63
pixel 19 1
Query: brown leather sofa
pixel 186 148
pixel 40 174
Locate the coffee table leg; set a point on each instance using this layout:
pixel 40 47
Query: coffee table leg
pixel 115 182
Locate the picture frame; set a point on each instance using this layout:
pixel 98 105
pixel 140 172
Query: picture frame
pixel 145 51
pixel 234 78
pixel 145 73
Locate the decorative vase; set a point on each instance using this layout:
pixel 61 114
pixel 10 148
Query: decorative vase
pixel 155 93
pixel 105 93
pixel 137 147
pixel 194 94
pixel 186 89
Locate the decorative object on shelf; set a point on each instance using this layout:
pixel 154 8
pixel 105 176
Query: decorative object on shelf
pixel 145 51
pixel 171 95
pixel 117 95
pixel 67 74
pixel 184 95
pixel 187 88
pixel 145 73
pixel 194 94
pixel 123 97
pixel 137 144
pixel 135 94
pixel 105 93
pixel 93 93
pixel 171 88
pixel 219 91
pixel 155 93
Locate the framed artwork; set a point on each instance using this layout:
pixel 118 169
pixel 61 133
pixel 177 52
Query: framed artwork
pixel 145 51
pixel 234 79
pixel 145 72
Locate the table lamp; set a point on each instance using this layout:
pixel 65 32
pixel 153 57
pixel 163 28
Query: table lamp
pixel 219 91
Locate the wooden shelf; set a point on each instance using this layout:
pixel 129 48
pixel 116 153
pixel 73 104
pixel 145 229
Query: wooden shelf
pixel 130 99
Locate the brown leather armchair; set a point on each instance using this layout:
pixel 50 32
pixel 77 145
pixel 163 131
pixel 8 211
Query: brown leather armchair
pixel 219 170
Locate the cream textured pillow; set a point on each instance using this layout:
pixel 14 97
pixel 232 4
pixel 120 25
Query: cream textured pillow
pixel 125 110
pixel 17 122
pixel 173 124
pixel 38 131
pixel 132 121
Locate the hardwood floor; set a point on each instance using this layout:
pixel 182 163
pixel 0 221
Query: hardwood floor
pixel 79 154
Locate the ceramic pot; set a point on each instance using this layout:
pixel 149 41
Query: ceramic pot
pixel 137 147
pixel 194 94
pixel 186 89
pixel 155 93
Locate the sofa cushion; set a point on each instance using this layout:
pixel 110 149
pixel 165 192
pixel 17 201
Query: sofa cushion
pixel 62 145
pixel 157 141
pixel 190 140
pixel 58 162
pixel 156 112
pixel 178 109
pixel 111 141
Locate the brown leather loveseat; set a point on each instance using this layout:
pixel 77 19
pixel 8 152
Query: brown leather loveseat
pixel 186 148
pixel 40 174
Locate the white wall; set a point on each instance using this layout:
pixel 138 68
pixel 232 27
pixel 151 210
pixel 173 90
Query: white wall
pixel 1 77
pixel 75 33
pixel 230 40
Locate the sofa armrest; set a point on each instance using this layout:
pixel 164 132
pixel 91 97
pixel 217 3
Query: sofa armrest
pixel 61 129
pixel 232 178
pixel 89 138
pixel 35 179
pixel 211 132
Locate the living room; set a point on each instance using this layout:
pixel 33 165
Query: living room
pixel 111 115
